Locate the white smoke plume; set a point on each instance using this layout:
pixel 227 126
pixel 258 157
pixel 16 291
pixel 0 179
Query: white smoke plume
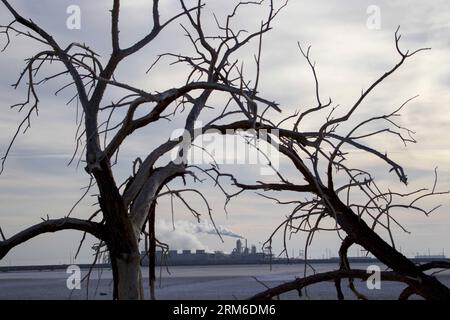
pixel 184 236
pixel 206 227
pixel 178 239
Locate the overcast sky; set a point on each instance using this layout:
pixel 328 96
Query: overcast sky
pixel 349 54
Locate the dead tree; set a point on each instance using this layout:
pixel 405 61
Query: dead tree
pixel 125 208
pixel 335 196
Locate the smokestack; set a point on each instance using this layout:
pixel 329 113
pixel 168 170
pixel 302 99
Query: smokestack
pixel 238 246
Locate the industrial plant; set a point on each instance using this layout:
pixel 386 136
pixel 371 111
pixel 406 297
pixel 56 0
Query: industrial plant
pixel 241 254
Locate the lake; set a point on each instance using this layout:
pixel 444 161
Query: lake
pixel 192 282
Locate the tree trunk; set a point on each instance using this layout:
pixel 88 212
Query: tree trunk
pixel 152 252
pixel 128 277
pixel 126 262
pixel 427 286
pixel 121 238
pixel 126 265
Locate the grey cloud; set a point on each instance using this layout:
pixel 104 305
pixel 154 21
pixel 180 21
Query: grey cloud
pixel 348 56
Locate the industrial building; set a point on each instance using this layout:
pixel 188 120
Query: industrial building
pixel 241 254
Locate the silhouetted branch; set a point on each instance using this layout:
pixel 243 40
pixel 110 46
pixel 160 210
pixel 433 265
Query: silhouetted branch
pixel 47 226
pixel 301 283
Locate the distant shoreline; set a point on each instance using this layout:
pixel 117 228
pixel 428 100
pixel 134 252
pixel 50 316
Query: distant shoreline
pixel 60 267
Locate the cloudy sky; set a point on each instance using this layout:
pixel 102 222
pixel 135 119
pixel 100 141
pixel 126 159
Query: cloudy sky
pixel 350 54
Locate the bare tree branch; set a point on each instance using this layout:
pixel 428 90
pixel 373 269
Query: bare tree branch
pixel 47 226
